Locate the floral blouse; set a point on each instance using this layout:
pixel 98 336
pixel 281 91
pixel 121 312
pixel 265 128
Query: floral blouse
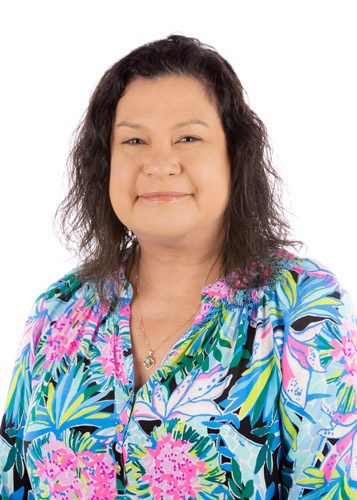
pixel 257 399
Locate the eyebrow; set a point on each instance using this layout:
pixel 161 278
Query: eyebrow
pixel 180 124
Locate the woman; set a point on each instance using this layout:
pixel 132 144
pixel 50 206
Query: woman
pixel 190 355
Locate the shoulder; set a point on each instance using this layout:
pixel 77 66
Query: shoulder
pixel 71 290
pixel 71 297
pixel 62 322
pixel 290 263
pixel 307 267
pixel 65 291
pixel 304 294
pixel 286 275
pixel 68 304
pixel 291 270
pixel 317 319
pixel 304 280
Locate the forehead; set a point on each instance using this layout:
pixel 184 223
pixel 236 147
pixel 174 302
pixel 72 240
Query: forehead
pixel 167 94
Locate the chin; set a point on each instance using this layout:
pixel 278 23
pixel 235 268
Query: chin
pixel 163 233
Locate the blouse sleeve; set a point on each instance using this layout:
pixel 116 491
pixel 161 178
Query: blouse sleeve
pixel 15 482
pixel 318 400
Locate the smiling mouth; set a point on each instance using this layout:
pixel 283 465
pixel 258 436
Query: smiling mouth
pixel 163 197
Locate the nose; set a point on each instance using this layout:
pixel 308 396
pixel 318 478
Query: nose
pixel 161 162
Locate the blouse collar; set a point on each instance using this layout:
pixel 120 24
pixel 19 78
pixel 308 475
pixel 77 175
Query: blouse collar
pixel 220 289
pixel 216 291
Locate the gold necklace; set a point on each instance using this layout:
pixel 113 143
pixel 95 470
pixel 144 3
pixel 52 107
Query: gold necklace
pixel 149 361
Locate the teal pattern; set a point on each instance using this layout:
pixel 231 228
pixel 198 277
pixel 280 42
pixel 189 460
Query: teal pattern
pixel 257 399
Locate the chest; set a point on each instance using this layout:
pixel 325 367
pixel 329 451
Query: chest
pixel 188 421
pixel 162 330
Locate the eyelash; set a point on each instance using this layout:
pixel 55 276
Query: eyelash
pixel 136 138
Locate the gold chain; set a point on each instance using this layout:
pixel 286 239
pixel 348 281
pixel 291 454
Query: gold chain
pixel 149 361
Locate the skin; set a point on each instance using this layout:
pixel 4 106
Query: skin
pixel 179 241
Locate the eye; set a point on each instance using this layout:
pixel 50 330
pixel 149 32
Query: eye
pixel 190 137
pixel 133 139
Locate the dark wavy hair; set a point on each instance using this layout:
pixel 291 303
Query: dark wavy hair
pixel 255 228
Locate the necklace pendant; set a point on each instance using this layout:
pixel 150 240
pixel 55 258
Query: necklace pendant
pixel 149 361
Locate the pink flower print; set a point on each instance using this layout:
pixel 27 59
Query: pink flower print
pixel 178 465
pixel 345 351
pixel 205 307
pixel 74 475
pixel 345 348
pixel 219 289
pixel 172 470
pixel 66 333
pixel 98 469
pixel 57 469
pixel 111 357
pixel 337 351
pixel 350 378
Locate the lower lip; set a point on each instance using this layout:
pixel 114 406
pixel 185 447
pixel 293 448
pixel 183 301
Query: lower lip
pixel 163 198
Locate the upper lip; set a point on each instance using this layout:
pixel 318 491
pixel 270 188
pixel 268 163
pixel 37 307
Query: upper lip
pixel 164 193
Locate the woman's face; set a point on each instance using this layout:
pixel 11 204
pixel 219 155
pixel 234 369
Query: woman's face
pixel 154 151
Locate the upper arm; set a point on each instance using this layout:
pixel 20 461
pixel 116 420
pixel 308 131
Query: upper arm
pixel 318 402
pixel 14 477
pixel 27 371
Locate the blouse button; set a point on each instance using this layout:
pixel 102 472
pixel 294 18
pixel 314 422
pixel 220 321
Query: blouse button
pixel 117 468
pixel 119 428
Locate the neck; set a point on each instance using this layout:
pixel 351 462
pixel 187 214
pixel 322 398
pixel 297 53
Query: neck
pixel 171 276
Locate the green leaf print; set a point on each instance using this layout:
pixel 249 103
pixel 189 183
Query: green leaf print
pixel 249 489
pixel 261 458
pixel 74 400
pixel 260 373
pixel 19 391
pixel 237 488
pixel 10 459
pixel 308 298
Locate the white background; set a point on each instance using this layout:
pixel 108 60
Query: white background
pixel 296 61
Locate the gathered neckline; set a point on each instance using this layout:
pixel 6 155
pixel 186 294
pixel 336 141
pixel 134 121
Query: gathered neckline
pixel 220 289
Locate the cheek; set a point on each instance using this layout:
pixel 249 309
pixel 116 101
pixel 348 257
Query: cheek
pixel 214 180
pixel 119 189
pixel 217 190
pixel 121 178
